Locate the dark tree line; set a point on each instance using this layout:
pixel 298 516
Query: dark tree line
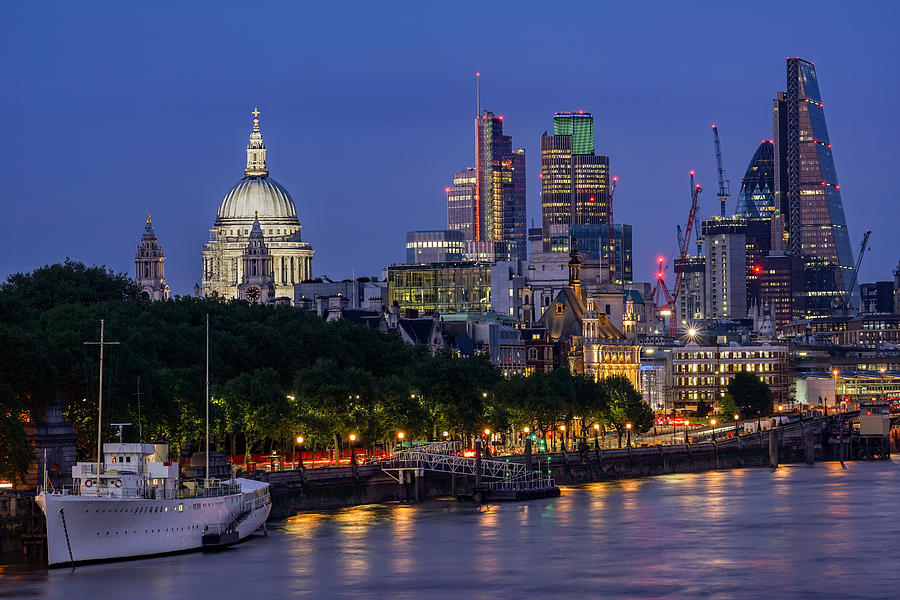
pixel 275 372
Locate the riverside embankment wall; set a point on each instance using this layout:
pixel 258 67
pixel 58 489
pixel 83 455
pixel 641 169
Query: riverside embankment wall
pixel 323 488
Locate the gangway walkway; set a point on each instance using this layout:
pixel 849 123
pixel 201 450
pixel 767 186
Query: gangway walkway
pixel 446 457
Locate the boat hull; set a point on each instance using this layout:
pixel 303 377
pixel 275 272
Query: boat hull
pixel 108 528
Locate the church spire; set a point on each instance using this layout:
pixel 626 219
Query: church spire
pixel 256 150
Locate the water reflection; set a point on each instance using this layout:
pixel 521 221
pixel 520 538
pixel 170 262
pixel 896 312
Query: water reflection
pixel 795 531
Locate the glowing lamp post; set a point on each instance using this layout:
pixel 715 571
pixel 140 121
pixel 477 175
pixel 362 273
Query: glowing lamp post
pixel 628 429
pixel 713 423
pixel 299 443
pixel 834 373
pixel 352 454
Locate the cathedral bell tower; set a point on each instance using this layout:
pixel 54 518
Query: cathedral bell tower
pixel 575 269
pixel 148 266
pixel 258 281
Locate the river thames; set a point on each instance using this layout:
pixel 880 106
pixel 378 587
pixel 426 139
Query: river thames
pixel 794 532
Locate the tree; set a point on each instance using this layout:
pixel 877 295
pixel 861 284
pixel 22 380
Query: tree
pixel 626 406
pixel 728 407
pixel 751 395
pixel 69 283
pixel 15 450
pixel 703 409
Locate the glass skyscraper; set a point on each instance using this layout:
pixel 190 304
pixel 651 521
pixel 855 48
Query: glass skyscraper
pixel 487 203
pixel 500 189
pixel 574 182
pixel 461 203
pixel 807 191
pixel 593 245
pixel 757 195
pixel 579 125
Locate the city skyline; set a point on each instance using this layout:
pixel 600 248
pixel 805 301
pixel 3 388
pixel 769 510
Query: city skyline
pixel 112 136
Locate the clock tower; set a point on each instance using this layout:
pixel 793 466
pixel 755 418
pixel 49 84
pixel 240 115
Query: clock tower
pixel 258 282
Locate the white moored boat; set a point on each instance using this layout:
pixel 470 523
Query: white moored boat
pixel 132 503
pixel 138 507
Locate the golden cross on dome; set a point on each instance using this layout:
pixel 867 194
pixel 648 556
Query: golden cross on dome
pixel 148 217
pixel 255 113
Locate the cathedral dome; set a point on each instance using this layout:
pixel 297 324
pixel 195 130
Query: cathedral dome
pixel 256 195
pixel 260 195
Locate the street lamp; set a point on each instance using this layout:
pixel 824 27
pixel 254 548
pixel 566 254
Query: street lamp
pixel 299 443
pixel 713 423
pixel 596 433
pixel 628 429
pixel 564 439
pixel 352 455
pixel 834 374
pixel 446 434
pixel 400 436
pixel 737 418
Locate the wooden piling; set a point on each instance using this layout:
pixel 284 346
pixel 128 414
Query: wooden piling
pixel 773 448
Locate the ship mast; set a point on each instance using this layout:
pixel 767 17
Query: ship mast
pixel 101 343
pixel 206 477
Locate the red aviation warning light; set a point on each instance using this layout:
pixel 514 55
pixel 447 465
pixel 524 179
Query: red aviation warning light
pixel 757 269
pixel 447 190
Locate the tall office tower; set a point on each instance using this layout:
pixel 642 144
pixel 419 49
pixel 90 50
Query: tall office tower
pixel 574 182
pixel 725 243
pixel 807 191
pixel 593 246
pixel 461 204
pixel 691 295
pixel 757 195
pixel 758 246
pixel 500 190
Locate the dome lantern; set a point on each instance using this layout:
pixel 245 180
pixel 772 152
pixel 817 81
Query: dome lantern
pixel 256 150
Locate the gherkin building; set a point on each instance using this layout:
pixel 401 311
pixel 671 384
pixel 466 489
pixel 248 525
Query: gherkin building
pixel 757 196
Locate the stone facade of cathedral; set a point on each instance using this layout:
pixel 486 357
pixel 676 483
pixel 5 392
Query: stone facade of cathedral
pixel 256 205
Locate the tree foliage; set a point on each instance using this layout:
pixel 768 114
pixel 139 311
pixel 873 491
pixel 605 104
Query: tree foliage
pixel 275 373
pixel 751 395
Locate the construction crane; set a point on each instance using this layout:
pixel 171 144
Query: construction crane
pixel 611 233
pixel 686 241
pixel 660 290
pixel 848 293
pixel 723 182
pixel 662 298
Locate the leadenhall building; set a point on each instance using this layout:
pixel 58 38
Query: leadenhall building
pixel 256 202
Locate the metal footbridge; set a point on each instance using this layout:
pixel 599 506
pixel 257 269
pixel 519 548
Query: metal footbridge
pixel 446 457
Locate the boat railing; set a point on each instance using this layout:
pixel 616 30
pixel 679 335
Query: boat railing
pixel 213 491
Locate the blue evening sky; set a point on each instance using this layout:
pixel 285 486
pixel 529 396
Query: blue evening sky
pixel 116 109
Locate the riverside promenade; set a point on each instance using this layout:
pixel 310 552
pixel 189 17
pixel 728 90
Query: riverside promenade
pixel 806 441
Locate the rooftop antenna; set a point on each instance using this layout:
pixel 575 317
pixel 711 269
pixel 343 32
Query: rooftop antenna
pixel 477 94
